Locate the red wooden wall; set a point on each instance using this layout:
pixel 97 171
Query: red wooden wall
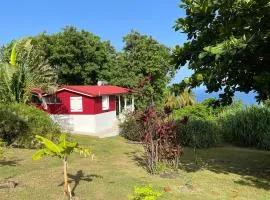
pixel 91 105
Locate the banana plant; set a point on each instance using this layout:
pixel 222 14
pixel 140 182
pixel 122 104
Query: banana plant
pixel 62 150
pixel 26 70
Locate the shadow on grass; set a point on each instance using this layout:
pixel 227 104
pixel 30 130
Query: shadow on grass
pixel 252 165
pixel 78 177
pixel 138 158
pixel 10 162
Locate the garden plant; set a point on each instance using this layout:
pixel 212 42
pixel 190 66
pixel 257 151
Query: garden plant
pixel 63 149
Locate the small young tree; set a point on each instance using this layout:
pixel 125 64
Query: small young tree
pixel 159 139
pixel 62 150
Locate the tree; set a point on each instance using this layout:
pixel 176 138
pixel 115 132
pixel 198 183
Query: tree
pixel 170 101
pixel 228 46
pixel 26 70
pixel 186 98
pixel 178 98
pixel 61 150
pixel 78 56
pixel 144 66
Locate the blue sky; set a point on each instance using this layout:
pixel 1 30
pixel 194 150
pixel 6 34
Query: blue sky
pixel 111 20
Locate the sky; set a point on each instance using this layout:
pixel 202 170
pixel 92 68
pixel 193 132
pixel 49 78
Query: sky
pixel 111 20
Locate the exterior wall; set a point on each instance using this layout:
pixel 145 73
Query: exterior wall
pixel 105 121
pixel 91 105
pixel 95 125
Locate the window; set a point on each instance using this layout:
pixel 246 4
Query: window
pixel 105 102
pixel 52 100
pixel 76 104
pixel 35 100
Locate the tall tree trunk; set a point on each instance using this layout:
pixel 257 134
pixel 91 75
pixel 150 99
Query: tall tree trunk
pixel 67 190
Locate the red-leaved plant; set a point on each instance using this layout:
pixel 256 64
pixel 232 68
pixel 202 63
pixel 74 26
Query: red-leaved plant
pixel 159 139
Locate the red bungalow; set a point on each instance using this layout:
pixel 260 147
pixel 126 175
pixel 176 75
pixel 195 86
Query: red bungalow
pixel 87 110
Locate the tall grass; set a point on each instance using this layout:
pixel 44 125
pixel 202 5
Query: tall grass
pixel 249 127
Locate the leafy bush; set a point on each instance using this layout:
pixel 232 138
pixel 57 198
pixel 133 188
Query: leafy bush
pixel 159 139
pixel 19 123
pixel 130 128
pixel 195 111
pixel 200 133
pixel 208 109
pixel 145 193
pixel 249 127
pixel 202 129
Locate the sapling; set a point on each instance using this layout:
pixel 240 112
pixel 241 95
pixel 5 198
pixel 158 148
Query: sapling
pixel 63 149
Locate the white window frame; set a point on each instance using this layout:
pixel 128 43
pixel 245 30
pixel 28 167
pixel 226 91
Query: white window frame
pixel 76 104
pixel 105 102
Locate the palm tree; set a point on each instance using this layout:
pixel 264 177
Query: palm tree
pixel 26 70
pixel 186 98
pixel 171 101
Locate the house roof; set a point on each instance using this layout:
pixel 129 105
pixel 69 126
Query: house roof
pixel 91 90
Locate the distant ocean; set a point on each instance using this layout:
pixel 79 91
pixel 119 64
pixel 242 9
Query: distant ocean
pixel 247 99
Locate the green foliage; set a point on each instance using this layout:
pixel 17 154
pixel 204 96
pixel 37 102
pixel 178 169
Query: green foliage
pixel 201 128
pixel 2 149
pixel 144 67
pixel 145 193
pixel 227 47
pixel 28 70
pixel 131 129
pixel 196 111
pixel 13 55
pixel 249 127
pixel 208 126
pixel 20 123
pixel 177 100
pixel 186 98
pixel 200 133
pixel 76 53
pixel 61 150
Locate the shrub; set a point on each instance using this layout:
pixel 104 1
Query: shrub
pixel 20 123
pixel 11 125
pixel 200 133
pixel 196 111
pixel 159 139
pixel 249 127
pixel 145 193
pixel 130 128
pixel 202 129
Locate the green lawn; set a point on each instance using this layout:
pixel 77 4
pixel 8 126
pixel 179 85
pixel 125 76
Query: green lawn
pixel 225 173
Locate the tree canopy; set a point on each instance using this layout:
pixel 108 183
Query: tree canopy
pixel 144 66
pixel 78 56
pixel 82 58
pixel 228 46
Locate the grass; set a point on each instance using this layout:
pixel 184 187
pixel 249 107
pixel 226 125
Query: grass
pixel 224 173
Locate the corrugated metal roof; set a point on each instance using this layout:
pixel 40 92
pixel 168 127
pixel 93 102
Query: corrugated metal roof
pixel 94 90
pixel 91 90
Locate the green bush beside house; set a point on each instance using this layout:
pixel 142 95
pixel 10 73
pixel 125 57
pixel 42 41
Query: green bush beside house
pixel 19 123
pixel 207 126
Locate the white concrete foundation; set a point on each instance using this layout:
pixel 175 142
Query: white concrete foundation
pixel 102 125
